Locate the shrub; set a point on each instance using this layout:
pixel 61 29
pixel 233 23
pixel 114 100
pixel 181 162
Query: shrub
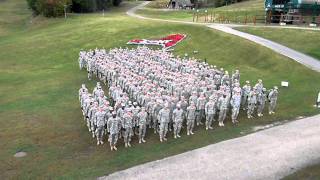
pixel 88 5
pixel 33 6
pixel 52 8
pixel 116 2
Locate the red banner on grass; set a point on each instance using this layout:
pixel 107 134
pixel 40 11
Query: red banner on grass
pixel 166 42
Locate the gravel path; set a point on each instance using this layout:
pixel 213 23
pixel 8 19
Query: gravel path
pixel 301 58
pixel 269 154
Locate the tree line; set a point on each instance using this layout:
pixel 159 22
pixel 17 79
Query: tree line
pixel 55 8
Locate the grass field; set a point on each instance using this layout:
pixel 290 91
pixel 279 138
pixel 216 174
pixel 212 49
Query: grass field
pixel 13 16
pixel 310 173
pixel 306 41
pixel 40 78
pixel 235 13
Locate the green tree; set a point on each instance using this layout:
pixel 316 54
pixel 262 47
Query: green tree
pixel 116 2
pixel 33 6
pixel 88 5
pixel 52 8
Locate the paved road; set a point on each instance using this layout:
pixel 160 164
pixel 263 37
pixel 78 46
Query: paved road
pixel 269 154
pixel 301 58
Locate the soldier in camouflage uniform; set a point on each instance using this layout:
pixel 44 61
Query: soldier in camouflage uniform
pixel 191 117
pixel 261 101
pixel 201 103
pixel 142 121
pixel 156 109
pixel 252 101
pixel 245 94
pixel 273 97
pixel 113 125
pixel 100 122
pixel 177 121
pixel 164 118
pixel 235 104
pixel 223 107
pixel 127 125
pixel 210 110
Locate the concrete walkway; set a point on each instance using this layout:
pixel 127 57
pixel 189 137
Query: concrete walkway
pixel 269 154
pixel 301 58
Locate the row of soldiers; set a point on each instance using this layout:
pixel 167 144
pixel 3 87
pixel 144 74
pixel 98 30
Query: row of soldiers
pixel 173 89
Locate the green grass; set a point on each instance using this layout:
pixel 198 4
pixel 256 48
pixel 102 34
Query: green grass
pixel 310 173
pixel 39 80
pixel 13 16
pixel 184 15
pixel 235 13
pixel 306 41
pixel 158 4
pixel 251 5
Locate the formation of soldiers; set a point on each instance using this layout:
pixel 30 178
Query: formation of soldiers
pixel 152 88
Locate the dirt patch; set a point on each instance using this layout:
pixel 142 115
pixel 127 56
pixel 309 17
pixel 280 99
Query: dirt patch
pixel 258 128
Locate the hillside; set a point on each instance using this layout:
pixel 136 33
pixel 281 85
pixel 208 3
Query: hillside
pixel 14 16
pixel 235 13
pixel 40 78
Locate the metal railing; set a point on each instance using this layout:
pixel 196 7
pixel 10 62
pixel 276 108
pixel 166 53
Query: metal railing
pixel 206 16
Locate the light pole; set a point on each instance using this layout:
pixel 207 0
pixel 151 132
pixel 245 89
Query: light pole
pixel 65 11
